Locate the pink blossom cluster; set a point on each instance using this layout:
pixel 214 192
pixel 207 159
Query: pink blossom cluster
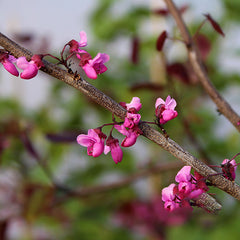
pixel 229 167
pixel 95 139
pixel 165 110
pixel 30 68
pixel 91 66
pixel 184 194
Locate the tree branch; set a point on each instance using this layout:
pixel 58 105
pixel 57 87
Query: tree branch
pixel 197 65
pixel 99 97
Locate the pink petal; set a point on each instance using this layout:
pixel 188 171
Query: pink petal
pixel 168 115
pixel 90 71
pixel 159 101
pixel 84 140
pixel 121 129
pixel 185 187
pixel 129 140
pixel 22 63
pixel 10 67
pixel 107 149
pixel 167 192
pixel 135 103
pixel 170 103
pixel 93 134
pixel 170 205
pixel 98 149
pixel 83 37
pixel 196 193
pixel 184 175
pixel 101 58
pixel 12 59
pixel 29 72
pixel 116 153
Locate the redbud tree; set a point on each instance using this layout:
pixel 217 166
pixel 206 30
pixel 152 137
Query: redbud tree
pixel 124 145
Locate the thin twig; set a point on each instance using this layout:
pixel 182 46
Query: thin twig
pixel 198 67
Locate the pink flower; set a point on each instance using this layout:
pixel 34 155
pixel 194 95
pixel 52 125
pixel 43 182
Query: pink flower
pixel 169 197
pixel 30 69
pixel 168 193
pixel 131 135
pixel 188 189
pixel 75 46
pixel 184 175
pixel 165 109
pixel 112 144
pixel 94 141
pixel 135 103
pixel 93 67
pixel 131 120
pixel 7 62
pixel 195 193
pixel 229 168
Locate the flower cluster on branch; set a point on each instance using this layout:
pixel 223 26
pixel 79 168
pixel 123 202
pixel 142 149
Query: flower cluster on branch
pixel 94 140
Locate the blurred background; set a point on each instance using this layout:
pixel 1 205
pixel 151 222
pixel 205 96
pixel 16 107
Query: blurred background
pixel 40 118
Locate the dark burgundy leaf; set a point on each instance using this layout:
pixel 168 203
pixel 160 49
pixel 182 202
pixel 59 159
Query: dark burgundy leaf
pixel 204 45
pixel 214 24
pixel 179 71
pixel 161 11
pixel 161 40
pixel 135 50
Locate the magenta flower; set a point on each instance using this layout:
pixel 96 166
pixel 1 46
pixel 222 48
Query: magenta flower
pixel 94 141
pixel 7 62
pixel 135 103
pixel 30 69
pixel 184 175
pixel 169 197
pixel 168 193
pixel 93 67
pixel 189 188
pixel 194 194
pixel 131 120
pixel 165 109
pixel 229 168
pixel 134 106
pixel 112 144
pixel 75 46
pixel 131 135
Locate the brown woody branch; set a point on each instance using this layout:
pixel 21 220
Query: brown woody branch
pixel 99 97
pixel 197 65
